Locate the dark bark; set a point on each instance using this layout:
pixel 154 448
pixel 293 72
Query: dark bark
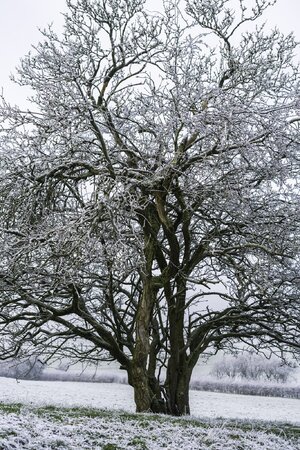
pixel 171 398
pixel 177 387
pixel 138 377
pixel 178 372
pixel 147 393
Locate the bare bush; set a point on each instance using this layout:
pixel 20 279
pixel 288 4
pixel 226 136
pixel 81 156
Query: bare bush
pixel 234 386
pixel 252 367
pixel 27 368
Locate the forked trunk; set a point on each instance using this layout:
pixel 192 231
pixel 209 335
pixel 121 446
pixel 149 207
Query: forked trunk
pixel 147 393
pixel 171 398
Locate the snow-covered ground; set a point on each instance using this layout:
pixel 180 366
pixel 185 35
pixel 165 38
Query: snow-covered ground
pixel 120 397
pixel 30 429
pixel 27 428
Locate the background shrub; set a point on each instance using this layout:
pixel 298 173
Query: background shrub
pixel 252 367
pixel 30 368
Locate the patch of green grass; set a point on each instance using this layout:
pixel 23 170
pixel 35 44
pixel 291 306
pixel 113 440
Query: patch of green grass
pixel 110 447
pixel 60 413
pixel 7 434
pixel 138 443
pixel 278 429
pixel 11 408
pixel 234 436
pixel 59 445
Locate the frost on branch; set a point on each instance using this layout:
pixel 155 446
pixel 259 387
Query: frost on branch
pixel 150 193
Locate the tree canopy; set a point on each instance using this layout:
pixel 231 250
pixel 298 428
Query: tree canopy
pixel 150 192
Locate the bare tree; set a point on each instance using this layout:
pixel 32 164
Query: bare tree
pixel 156 170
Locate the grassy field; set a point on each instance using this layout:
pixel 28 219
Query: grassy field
pixel 36 428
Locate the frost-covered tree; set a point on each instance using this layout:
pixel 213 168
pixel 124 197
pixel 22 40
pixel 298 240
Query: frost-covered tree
pixel 149 195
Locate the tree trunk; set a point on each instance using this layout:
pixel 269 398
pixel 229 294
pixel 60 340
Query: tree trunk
pixel 172 398
pixel 138 377
pixel 177 387
pixel 142 392
pixel 178 370
pixel 147 393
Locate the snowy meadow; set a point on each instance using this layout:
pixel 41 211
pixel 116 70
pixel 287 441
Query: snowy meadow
pixel 120 397
pixel 70 415
pixel 79 429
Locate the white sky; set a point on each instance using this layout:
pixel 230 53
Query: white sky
pixel 20 19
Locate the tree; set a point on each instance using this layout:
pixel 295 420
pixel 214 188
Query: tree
pixel 156 170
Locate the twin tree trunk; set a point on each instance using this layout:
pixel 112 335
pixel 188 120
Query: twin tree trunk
pixel 173 397
pixel 149 395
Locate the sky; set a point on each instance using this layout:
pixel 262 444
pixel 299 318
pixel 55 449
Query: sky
pixel 20 20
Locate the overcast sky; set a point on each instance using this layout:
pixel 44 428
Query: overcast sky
pixel 20 19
